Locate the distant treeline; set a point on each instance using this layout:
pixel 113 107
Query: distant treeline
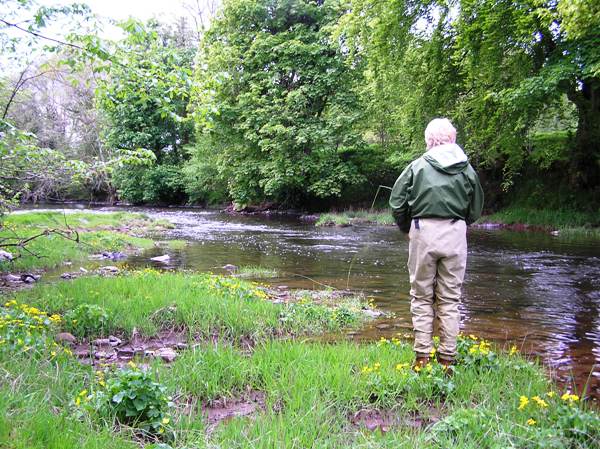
pixel 315 104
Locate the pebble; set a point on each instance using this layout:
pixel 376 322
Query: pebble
pixel 167 354
pixel 114 341
pixel 230 267
pixel 101 342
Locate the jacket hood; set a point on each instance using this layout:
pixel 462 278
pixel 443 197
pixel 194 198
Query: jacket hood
pixel 447 158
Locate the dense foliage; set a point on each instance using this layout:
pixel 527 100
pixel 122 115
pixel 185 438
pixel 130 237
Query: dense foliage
pixel 277 103
pixel 314 103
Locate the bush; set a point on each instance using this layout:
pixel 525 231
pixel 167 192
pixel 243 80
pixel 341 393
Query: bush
pixel 87 320
pixel 156 184
pixel 129 396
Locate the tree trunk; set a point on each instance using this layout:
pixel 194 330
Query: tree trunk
pixel 584 172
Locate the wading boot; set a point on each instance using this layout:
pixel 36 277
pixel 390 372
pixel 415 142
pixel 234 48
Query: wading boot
pixel 447 365
pixel 420 363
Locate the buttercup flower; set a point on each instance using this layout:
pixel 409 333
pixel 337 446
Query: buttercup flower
pixel 523 401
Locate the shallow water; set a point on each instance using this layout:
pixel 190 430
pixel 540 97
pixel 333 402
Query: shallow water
pixel 535 290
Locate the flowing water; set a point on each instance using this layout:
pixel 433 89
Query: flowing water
pixel 532 289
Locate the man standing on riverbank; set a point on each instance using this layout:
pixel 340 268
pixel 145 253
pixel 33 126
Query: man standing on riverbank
pixel 433 201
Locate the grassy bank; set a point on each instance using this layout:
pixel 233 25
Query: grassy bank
pixel 355 217
pixel 564 220
pixel 97 233
pixel 203 305
pixel 293 394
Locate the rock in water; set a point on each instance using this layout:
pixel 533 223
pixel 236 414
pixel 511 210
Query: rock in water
pixel 230 267
pixel 164 258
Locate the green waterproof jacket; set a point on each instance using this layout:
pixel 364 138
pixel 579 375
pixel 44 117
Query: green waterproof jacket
pixel 440 184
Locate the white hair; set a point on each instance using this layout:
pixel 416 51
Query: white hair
pixel 438 132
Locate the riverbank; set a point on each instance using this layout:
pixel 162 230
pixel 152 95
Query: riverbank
pixel 238 376
pixel 45 240
pixel 516 218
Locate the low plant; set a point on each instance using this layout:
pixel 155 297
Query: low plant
pixel 311 317
pixel 87 320
pixel 473 351
pixel 128 396
pixel 25 329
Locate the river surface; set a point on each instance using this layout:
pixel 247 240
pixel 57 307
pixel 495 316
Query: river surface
pixel 535 290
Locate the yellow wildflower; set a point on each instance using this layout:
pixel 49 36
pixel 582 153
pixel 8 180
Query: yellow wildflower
pixel 401 366
pixel 523 401
pixel 513 350
pixel 539 401
pixel 432 353
pixel 531 422
pixel 567 397
pixel 166 421
pixel 551 394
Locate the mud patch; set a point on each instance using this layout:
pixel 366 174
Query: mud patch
pixel 225 409
pixel 386 420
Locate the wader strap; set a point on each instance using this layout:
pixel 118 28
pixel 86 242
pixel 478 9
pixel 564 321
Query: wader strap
pixel 417 223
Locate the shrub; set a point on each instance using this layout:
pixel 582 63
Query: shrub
pixel 129 396
pixel 87 320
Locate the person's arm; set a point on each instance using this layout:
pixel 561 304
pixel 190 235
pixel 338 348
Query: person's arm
pixel 399 199
pixel 476 203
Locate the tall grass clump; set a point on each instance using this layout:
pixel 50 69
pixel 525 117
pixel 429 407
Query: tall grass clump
pixel 356 217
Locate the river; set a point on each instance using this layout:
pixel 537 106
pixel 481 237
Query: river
pixel 535 290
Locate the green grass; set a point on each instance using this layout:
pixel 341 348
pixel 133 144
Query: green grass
pixel 355 217
pixel 256 272
pixel 311 391
pixel 565 220
pixel 97 233
pixel 203 304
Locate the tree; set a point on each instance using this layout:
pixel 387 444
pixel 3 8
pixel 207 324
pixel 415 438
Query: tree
pixel 276 103
pixel 144 98
pixel 496 67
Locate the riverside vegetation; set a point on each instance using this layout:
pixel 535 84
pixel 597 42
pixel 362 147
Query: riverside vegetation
pixel 304 104
pixel 97 233
pixel 243 375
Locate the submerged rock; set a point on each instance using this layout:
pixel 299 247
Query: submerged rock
pixel 163 258
pixel 230 267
